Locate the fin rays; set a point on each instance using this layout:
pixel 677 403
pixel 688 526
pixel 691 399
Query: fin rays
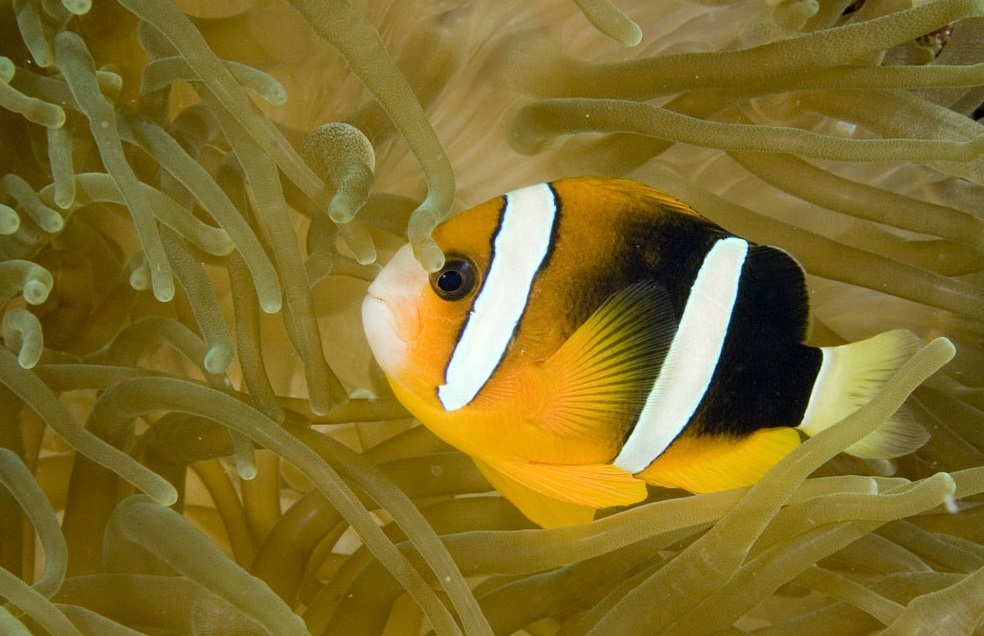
pixel 609 363
pixel 850 375
pixel 555 495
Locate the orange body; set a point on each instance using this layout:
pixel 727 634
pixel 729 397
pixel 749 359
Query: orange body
pixel 598 316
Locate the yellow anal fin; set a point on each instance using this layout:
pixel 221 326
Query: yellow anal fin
pixel 542 510
pixel 601 376
pixel 712 463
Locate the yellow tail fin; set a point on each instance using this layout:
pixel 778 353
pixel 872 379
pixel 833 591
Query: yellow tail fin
pixel 849 377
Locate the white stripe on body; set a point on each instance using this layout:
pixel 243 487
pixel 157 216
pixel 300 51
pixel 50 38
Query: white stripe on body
pixel 519 248
pixel 819 392
pixel 689 366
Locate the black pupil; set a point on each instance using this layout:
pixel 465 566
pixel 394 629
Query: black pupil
pixel 455 281
pixel 450 281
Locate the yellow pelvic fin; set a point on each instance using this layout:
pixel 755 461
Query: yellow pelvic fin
pixel 595 485
pixel 712 463
pixel 850 376
pixel 546 492
pixel 601 375
pixel 545 511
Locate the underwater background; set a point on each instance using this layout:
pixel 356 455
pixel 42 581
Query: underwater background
pixel 194 196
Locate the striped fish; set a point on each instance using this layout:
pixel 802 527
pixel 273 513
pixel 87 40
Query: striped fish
pixel 589 336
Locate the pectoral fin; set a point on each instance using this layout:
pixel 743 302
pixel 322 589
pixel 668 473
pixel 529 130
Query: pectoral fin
pixel 602 374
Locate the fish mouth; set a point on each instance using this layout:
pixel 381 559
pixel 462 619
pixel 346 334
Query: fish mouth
pixel 390 324
pixel 376 310
pixel 376 314
pixel 391 315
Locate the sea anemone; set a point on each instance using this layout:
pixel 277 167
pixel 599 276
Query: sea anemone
pixel 194 196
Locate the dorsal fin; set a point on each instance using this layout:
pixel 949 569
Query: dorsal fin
pixel 602 374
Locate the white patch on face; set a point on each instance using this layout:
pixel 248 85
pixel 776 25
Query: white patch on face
pixel 519 248
pixel 686 373
pixel 390 314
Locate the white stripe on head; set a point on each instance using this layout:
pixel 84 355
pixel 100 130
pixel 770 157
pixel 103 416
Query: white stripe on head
pixel 689 366
pixel 519 247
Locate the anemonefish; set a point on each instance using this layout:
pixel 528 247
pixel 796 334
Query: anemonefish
pixel 589 336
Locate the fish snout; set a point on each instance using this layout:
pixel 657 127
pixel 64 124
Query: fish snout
pixel 390 311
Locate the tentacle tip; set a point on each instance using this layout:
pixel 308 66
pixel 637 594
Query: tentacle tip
pixel 368 257
pixel 272 304
pixel 36 292
pixel 632 35
pixel 54 224
pixel 139 279
pixel 428 254
pixel 9 223
pixel 340 214
pixel 165 494
pixel 164 295
pixel 57 117
pixel 64 200
pixel 77 7
pixel 218 358
pixel 946 347
pixel 225 245
pixel 276 96
pixel 320 404
pixel 247 472
pixel 162 284
pixel 27 359
pixel 7 69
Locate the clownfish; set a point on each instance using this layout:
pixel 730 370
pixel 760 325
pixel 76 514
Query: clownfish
pixel 589 336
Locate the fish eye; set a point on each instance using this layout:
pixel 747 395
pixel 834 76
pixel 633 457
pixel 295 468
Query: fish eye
pixel 455 280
